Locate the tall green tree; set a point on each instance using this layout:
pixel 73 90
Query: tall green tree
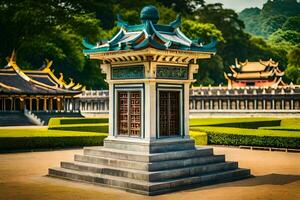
pixel 293 69
pixel 49 29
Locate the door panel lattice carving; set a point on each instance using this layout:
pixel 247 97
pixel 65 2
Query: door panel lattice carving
pixel 129 113
pixel 169 123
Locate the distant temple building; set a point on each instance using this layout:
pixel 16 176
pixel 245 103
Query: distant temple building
pixel 31 91
pixel 260 74
pixel 254 88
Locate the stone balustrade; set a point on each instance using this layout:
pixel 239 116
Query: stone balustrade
pixel 218 99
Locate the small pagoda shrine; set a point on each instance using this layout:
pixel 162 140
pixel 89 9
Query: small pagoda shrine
pixel 259 74
pixel 148 150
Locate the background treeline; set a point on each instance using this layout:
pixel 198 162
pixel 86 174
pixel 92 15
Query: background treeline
pixel 54 29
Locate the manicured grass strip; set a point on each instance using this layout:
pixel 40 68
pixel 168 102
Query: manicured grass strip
pixel 252 123
pixel 25 139
pixel 99 128
pixel 199 137
pixel 43 132
pixel 250 137
pixel 73 120
pixel 283 128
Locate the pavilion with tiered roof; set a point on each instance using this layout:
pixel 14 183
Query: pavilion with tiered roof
pixel 34 90
pixel 260 74
pixel 149 70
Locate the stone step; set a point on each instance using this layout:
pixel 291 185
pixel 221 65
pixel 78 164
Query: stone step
pixel 144 157
pixel 159 146
pixel 108 170
pixel 197 181
pixel 152 166
pixel 150 188
pixel 150 176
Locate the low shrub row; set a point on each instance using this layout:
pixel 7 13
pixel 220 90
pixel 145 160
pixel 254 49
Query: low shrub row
pixel 28 143
pixel 199 137
pixel 64 121
pixel 251 137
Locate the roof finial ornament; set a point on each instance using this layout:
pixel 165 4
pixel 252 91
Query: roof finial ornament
pixel 47 65
pixel 121 22
pixel 149 13
pixel 12 59
pixel 176 23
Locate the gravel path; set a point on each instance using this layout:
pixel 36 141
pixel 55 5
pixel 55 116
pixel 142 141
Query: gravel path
pixel 22 177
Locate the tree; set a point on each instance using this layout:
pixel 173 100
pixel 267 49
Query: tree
pixel 293 69
pixel 211 71
pixel 287 38
pixel 292 23
pixel 251 19
pixel 182 6
pixel 194 30
pixel 46 29
pixel 272 24
pixel 265 21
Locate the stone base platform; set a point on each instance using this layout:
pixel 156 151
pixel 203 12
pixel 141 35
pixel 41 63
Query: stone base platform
pixel 150 168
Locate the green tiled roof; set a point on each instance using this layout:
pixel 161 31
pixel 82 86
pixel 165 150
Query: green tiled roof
pixel 150 34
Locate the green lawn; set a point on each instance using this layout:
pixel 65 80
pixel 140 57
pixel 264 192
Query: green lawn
pixel 42 138
pixel 70 132
pixel 214 121
pixel 282 128
pixel 44 132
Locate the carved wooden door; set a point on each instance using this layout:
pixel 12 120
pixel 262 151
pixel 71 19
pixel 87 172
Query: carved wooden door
pixel 169 119
pixel 129 113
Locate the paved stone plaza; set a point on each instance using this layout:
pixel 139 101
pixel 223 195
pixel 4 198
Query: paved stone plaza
pixel 23 176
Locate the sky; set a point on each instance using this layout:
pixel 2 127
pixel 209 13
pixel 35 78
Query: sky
pixel 239 5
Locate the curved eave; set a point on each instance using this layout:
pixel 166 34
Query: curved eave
pixel 151 36
pixel 153 44
pixel 94 54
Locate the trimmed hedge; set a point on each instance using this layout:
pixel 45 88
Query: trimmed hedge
pixel 250 123
pixel 64 121
pixel 28 143
pixel 199 137
pixel 99 128
pixel 250 137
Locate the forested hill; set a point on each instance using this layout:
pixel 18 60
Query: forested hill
pixel 54 29
pixel 275 14
pixel 278 22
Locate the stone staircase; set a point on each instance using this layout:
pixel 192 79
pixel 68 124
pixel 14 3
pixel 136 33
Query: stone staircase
pixel 164 167
pixel 33 118
pixel 46 116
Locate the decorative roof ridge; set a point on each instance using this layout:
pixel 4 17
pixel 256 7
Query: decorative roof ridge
pixel 176 23
pixel 12 63
pixel 232 69
pixel 158 36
